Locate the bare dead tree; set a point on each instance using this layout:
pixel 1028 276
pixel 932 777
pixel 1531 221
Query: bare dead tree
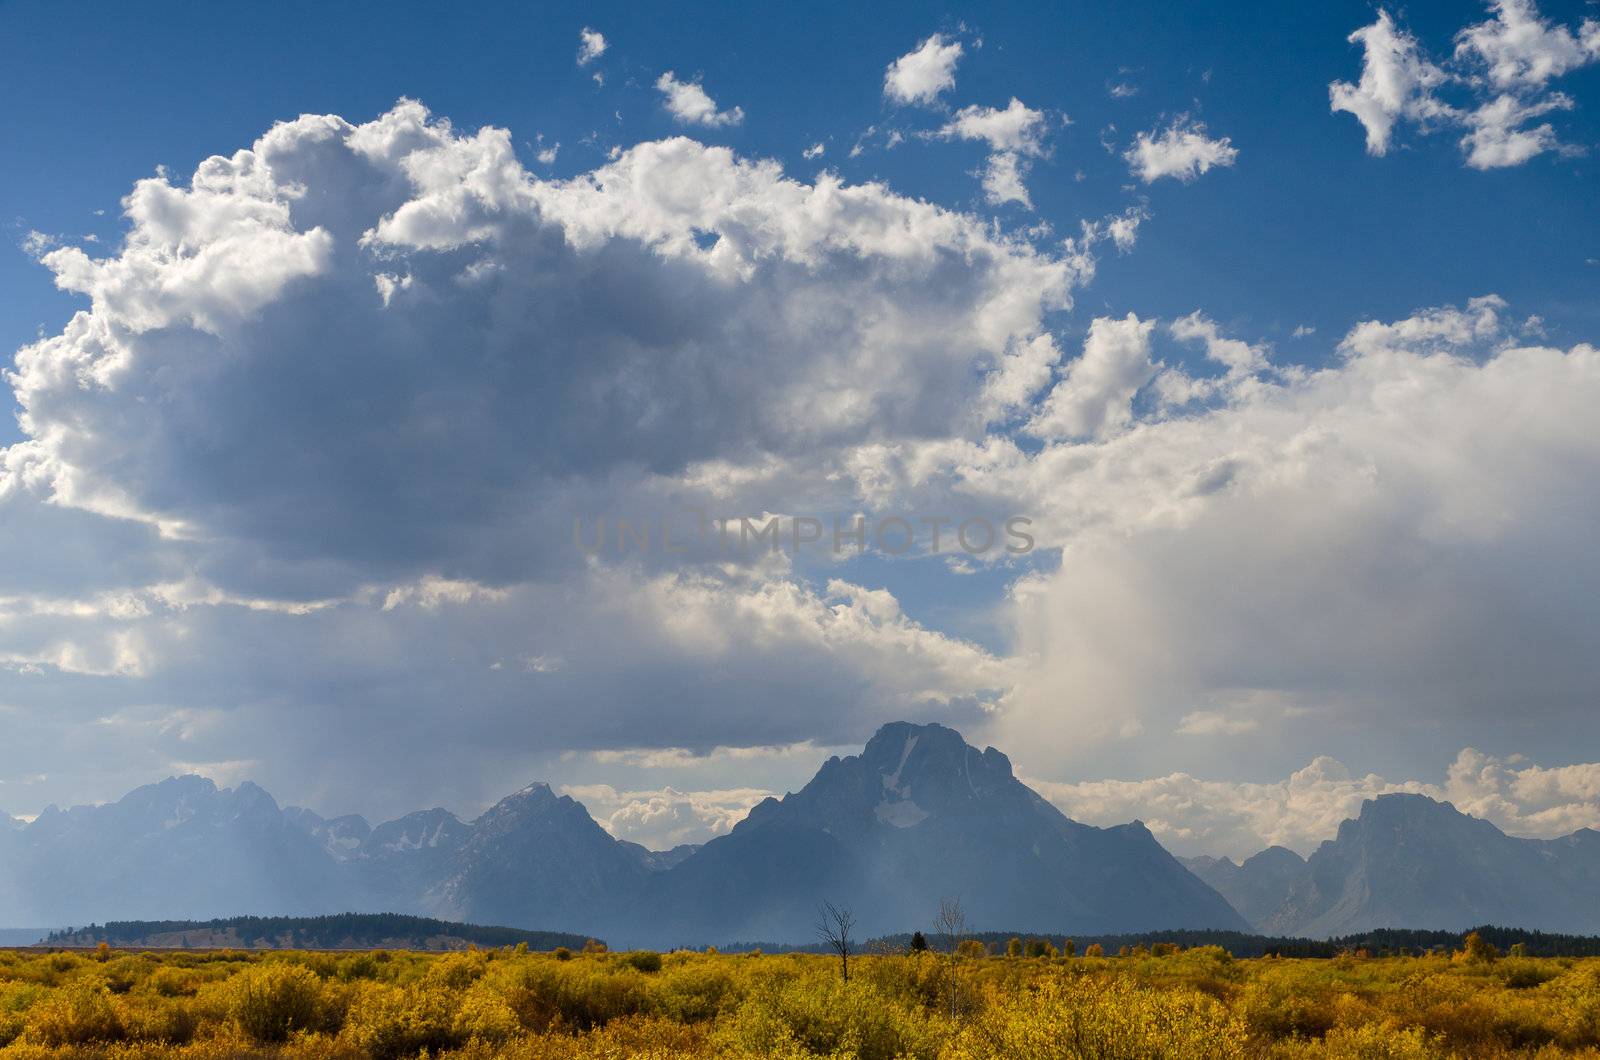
pixel 833 927
pixel 952 923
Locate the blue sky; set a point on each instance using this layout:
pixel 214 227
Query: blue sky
pixel 1303 231
pixel 1268 637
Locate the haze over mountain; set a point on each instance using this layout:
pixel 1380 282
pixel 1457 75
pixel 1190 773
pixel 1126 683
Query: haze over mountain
pixel 182 844
pixel 1410 861
pixel 1257 886
pixel 917 815
pixel 920 814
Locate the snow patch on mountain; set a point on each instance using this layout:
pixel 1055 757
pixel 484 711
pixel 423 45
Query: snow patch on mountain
pixel 891 781
pixel 901 814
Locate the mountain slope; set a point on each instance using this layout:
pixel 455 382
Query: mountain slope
pixel 920 814
pixel 1408 861
pixel 400 861
pixel 1256 887
pixel 180 845
pixel 536 859
pixel 917 815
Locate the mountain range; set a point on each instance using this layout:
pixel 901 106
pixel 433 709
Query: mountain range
pixel 1410 861
pixel 918 815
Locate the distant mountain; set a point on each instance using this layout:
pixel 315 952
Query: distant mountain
pixel 401 861
pixel 1258 886
pixel 341 837
pixel 1409 861
pixel 539 858
pixel 920 814
pixel 660 860
pixel 180 845
pixel 917 815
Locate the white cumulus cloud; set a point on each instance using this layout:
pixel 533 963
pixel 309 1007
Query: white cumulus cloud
pixel 1014 134
pixel 1498 74
pixel 921 75
pixel 591 45
pixel 688 102
pixel 1182 150
pixel 1397 81
pixel 663 818
pixel 1094 397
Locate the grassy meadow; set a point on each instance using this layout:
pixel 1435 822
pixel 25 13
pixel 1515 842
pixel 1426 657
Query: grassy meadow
pixel 1196 1003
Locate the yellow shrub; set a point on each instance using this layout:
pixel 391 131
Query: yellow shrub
pixel 484 1015
pixel 827 1017
pixel 457 971
pixel 273 1000
pixel 154 1019
pixel 75 1014
pixel 1106 1019
pixel 389 1022
pixel 490 1005
pixel 575 995
pixel 1373 1041
pixel 694 990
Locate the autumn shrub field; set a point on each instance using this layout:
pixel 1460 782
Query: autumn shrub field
pixel 1196 1003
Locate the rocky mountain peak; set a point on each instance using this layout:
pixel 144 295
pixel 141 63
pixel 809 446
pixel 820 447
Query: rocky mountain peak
pixel 1274 859
pixel 1403 806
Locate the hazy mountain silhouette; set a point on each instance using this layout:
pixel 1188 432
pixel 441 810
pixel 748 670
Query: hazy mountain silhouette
pixel 1257 886
pixel 182 844
pixel 917 815
pixel 539 857
pixel 1408 861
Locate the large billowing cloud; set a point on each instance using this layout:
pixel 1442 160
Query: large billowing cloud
pixel 1395 540
pixel 1257 556
pixel 310 459
pixel 364 353
pixel 301 482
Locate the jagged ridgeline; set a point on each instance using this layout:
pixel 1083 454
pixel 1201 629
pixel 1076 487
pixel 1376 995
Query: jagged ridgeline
pixel 1410 861
pixel 917 815
pixel 348 931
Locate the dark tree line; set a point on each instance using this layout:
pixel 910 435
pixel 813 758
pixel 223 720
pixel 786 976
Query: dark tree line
pixel 362 930
pixel 1385 941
